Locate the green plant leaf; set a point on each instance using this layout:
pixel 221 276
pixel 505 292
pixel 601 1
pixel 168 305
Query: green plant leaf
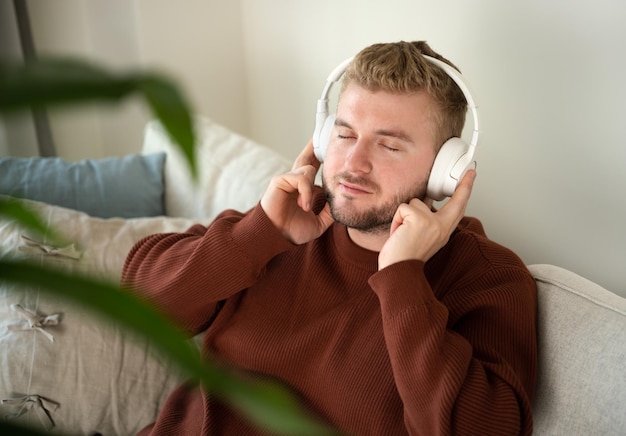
pixel 57 81
pixel 266 403
pixel 13 209
pixel 61 81
pixel 173 113
pixel 6 428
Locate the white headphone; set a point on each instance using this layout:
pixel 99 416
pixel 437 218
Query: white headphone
pixel 455 156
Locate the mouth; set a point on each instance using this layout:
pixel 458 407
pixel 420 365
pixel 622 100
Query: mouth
pixel 353 188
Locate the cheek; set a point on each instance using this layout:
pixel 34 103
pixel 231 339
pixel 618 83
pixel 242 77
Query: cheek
pixel 425 163
pixel 409 176
pixel 332 160
pixel 328 172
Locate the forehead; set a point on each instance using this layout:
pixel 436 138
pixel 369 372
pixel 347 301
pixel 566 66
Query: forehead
pixel 365 109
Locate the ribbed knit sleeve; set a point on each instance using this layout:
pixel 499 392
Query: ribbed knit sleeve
pixel 465 364
pixel 187 274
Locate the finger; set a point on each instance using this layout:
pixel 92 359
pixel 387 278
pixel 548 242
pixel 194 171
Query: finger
pixel 294 181
pixel 325 219
pixel 307 171
pixel 307 157
pixel 416 202
pixel 454 209
pixel 405 209
pixel 303 182
pixel 466 185
pixel 398 217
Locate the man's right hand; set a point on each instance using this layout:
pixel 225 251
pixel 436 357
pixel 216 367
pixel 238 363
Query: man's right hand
pixel 287 202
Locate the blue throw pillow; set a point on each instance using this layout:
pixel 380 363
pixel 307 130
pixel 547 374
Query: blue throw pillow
pixel 126 187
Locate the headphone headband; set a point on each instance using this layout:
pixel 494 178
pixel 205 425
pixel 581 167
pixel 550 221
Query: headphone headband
pixel 335 75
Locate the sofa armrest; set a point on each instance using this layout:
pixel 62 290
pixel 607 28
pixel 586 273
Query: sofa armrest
pixel 582 349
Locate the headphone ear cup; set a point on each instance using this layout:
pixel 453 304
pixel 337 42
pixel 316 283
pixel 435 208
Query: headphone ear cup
pixel 322 137
pixel 451 163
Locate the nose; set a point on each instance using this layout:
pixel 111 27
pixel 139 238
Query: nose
pixel 358 159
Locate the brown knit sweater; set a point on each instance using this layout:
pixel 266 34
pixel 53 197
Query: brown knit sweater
pixel 446 347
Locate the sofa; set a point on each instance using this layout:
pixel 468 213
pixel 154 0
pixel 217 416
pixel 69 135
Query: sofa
pixel 67 371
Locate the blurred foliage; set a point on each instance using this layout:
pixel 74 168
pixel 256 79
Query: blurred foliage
pixel 55 82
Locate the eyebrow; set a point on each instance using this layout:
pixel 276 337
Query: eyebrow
pixel 382 132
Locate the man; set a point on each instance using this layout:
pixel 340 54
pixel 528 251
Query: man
pixel 384 315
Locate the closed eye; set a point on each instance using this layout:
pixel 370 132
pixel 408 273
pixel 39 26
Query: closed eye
pixel 344 136
pixel 388 148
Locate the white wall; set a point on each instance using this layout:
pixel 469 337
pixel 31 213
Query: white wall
pixel 199 43
pixel 196 43
pixel 549 80
pixel 17 131
pixel 548 77
pixel 103 33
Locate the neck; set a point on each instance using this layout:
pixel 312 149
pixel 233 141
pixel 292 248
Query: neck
pixel 372 240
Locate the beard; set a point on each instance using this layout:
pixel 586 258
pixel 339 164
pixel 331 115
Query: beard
pixel 376 219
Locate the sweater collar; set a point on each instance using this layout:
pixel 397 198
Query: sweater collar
pixel 350 252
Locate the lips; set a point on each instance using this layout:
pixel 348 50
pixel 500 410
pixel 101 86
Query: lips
pixel 351 185
pixel 353 189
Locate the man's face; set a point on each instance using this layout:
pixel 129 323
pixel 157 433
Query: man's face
pixel 379 156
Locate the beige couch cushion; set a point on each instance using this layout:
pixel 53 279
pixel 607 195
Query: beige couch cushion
pixel 234 171
pixel 582 356
pixel 79 374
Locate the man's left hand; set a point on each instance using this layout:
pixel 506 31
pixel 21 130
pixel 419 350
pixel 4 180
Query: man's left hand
pixel 418 233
